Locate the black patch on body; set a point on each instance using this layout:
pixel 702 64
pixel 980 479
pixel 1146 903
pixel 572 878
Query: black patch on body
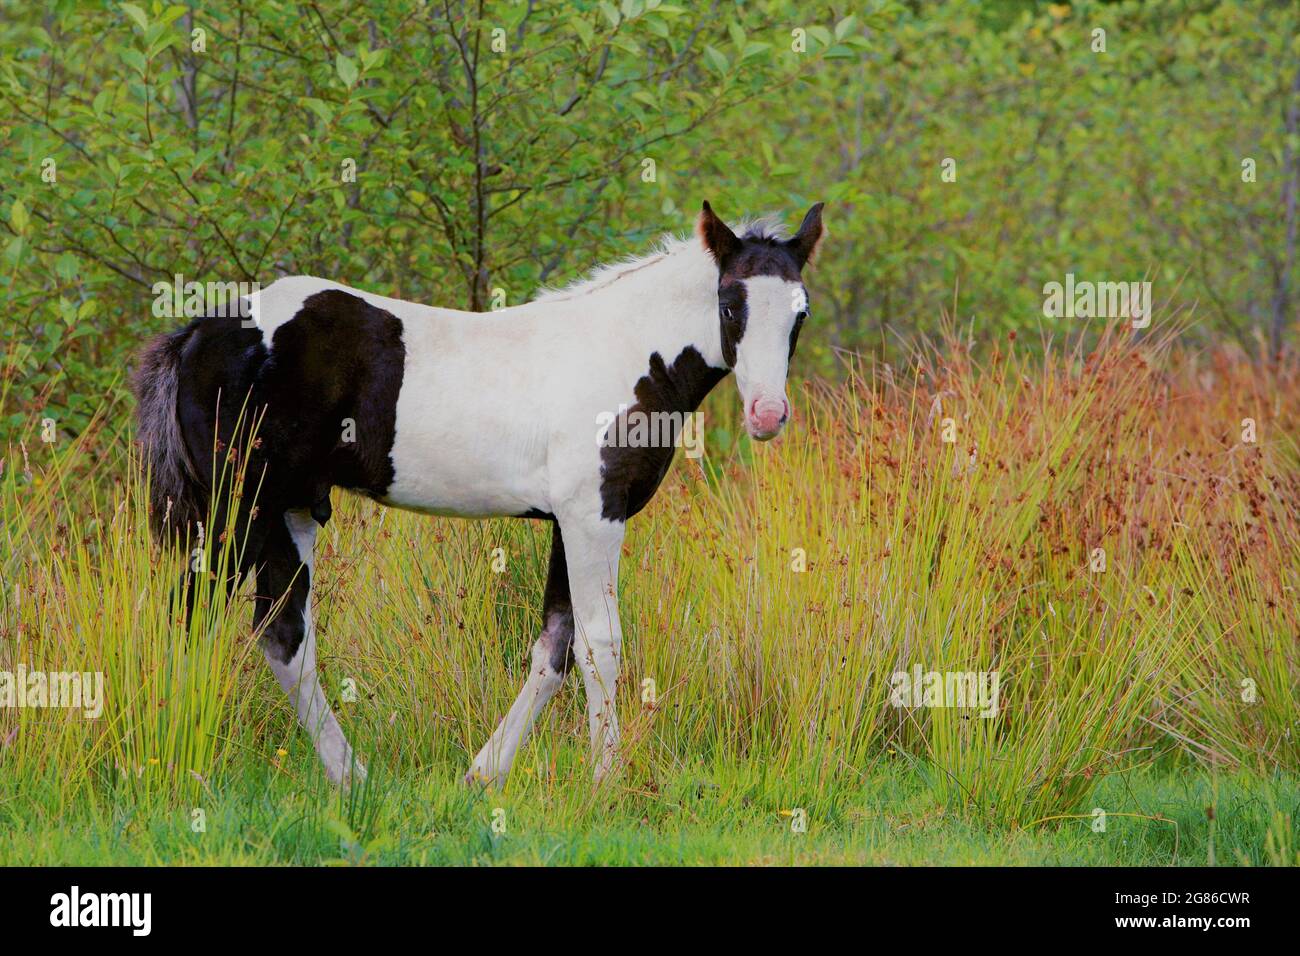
pixel 338 358
pixel 630 476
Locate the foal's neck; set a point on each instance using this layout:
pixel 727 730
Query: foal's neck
pixel 670 307
pixel 665 305
pixel 667 302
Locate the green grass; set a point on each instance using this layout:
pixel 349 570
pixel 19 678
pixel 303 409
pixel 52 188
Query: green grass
pixel 708 815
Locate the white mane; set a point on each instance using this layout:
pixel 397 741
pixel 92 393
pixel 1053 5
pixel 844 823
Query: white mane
pixel 669 247
pixel 601 276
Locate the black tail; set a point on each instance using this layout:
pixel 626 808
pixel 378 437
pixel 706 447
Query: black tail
pixel 178 499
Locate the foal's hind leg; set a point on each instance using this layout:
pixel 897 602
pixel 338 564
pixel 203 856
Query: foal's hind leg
pixel 552 656
pixel 285 572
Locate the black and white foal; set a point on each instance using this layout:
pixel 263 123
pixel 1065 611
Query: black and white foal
pixel 474 415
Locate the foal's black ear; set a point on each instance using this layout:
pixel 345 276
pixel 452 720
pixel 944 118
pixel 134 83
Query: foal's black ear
pixel 805 241
pixel 717 238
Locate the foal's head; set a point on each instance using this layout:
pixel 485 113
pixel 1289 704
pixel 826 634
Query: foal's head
pixel 762 304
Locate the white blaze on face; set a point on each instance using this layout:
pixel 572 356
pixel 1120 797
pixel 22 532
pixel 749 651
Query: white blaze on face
pixel 763 356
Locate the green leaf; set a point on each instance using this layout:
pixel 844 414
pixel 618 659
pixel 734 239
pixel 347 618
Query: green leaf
pixel 821 35
pixel 162 41
pixel 625 42
pixel 135 60
pixel 18 217
pixel 845 26
pixel 347 70
pixel 584 31
pixel 716 59
pixel 136 14
pixel 319 107
pixel 67 266
pixel 174 13
pixel 14 251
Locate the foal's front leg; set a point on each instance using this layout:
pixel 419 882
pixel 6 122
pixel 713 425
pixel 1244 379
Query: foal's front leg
pixel 593 546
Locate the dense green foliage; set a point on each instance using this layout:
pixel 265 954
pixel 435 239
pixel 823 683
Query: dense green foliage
pixel 466 155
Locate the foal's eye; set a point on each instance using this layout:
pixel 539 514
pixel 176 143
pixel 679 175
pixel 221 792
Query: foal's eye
pixel 726 313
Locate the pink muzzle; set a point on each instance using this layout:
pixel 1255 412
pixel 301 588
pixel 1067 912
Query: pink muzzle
pixel 766 416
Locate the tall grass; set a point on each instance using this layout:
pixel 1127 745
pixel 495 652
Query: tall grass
pixel 770 593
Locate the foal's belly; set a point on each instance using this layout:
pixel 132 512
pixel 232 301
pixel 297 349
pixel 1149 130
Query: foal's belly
pixel 442 492
pixel 467 454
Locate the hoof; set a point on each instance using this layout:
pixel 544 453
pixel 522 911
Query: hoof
pixel 477 778
pixel 346 776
